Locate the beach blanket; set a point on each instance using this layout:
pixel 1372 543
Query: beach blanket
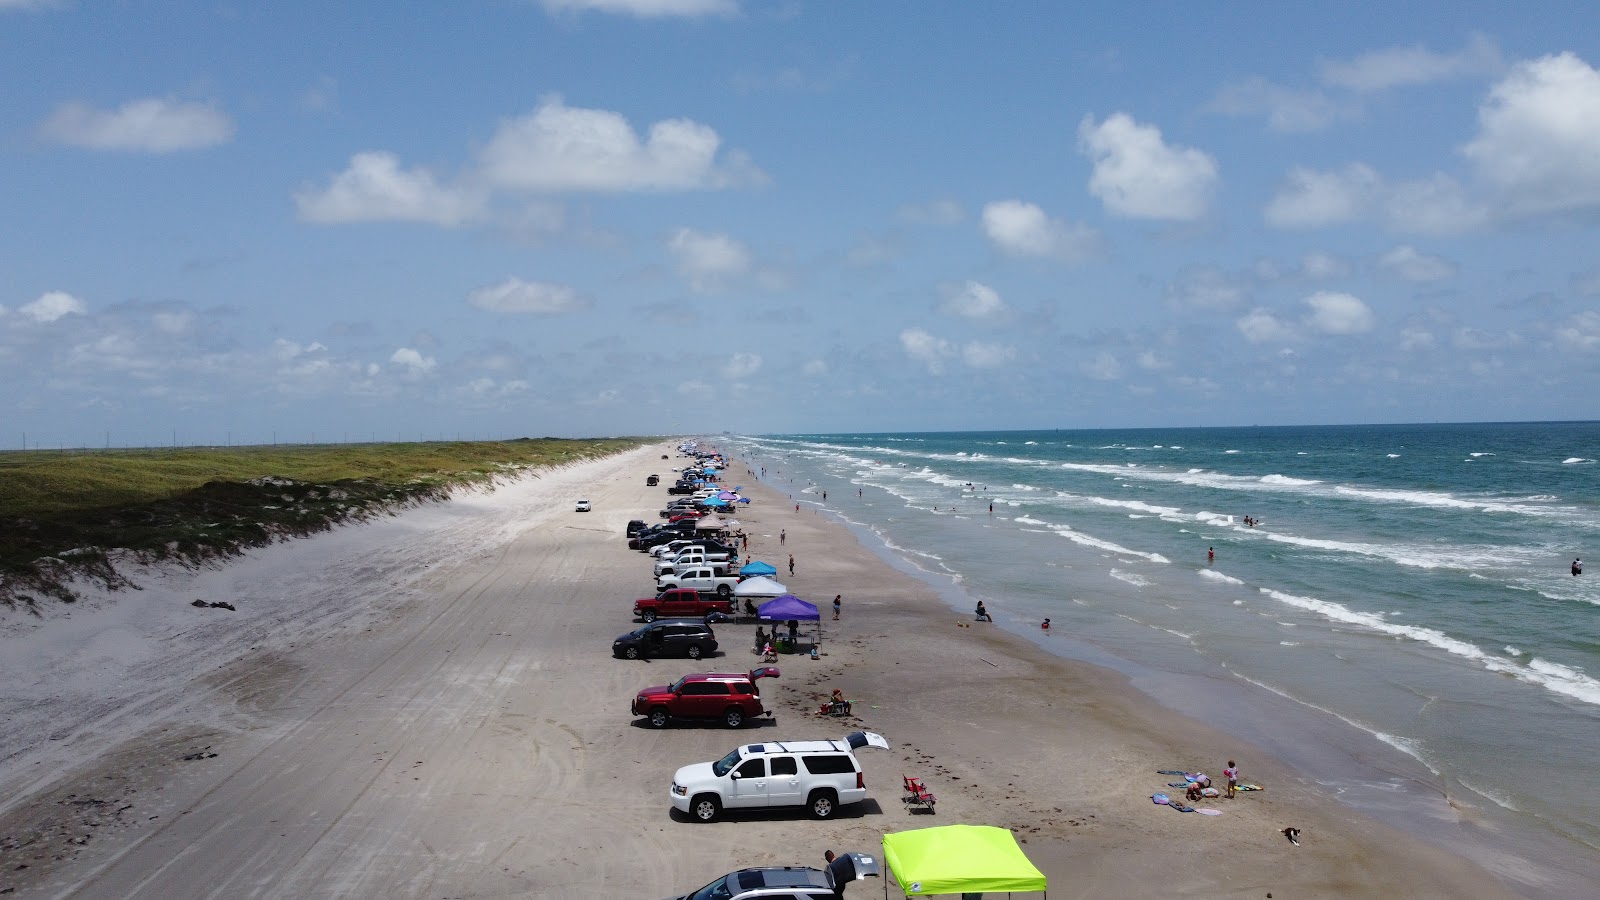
pixel 1182 784
pixel 1171 772
pixel 1209 812
pixel 1162 799
pixel 1181 807
pixel 1251 787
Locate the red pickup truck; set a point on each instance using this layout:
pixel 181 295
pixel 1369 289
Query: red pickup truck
pixel 679 603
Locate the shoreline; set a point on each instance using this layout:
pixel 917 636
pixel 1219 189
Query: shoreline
pixel 455 726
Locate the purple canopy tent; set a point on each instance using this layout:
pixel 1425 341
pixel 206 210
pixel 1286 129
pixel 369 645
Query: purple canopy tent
pixel 788 606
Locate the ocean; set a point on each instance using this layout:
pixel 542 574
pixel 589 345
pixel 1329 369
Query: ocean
pixel 1400 624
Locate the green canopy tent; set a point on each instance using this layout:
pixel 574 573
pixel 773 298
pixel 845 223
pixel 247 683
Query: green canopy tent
pixel 958 859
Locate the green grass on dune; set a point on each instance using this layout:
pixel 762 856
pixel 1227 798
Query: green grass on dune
pixel 61 512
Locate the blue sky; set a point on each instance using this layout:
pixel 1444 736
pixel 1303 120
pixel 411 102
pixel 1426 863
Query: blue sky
pixel 492 218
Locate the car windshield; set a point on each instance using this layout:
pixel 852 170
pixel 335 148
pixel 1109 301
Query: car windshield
pixel 725 765
pixel 678 685
pixel 716 890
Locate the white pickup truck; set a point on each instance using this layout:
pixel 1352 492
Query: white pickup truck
pixel 672 549
pixel 704 579
pixel 688 560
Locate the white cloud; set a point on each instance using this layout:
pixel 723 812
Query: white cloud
pixel 646 9
pixel 517 296
pixel 1260 326
pixel 981 355
pixel 565 148
pixel 742 365
pixel 1414 338
pixel 1538 142
pixel 1205 288
pixel 413 361
pixel 1150 361
pixel 1103 366
pixel 52 306
pixel 1286 110
pixel 707 260
pixel 934 212
pixel 150 125
pixel 1308 198
pixel 374 188
pixel 1319 265
pixel 1017 228
pixel 1139 176
pixel 1411 264
pixel 1402 66
pixel 1333 312
pixel 814 367
pixel 1582 334
pixel 1433 205
pixel 925 348
pixel 974 300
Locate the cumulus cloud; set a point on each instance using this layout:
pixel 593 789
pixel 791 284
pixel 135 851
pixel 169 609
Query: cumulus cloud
pixel 374 189
pixel 1434 205
pixel 517 296
pixel 52 306
pixel 1205 288
pixel 925 348
pixel 560 148
pixel 1139 176
pixel 1017 228
pixel 1405 66
pixel 934 212
pixel 413 361
pixel 1308 198
pixel 973 300
pixel 1319 265
pixel 1411 264
pixel 1538 142
pixel 1149 360
pixel 1333 312
pixel 1103 366
pixel 149 125
pixel 982 355
pixel 1286 109
pixel 646 9
pixel 708 260
pixel 742 365
pixel 1582 333
pixel 1261 326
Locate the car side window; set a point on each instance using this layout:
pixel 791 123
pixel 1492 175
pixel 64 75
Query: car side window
pixel 754 768
pixel 695 689
pixel 829 764
pixel 716 688
pixel 740 688
pixel 784 765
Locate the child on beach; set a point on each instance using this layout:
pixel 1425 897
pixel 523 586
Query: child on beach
pixel 1232 774
pixel 981 614
pixel 836 599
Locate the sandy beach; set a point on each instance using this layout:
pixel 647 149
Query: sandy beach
pixel 426 706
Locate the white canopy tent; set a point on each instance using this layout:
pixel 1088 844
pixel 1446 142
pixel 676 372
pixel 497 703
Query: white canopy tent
pixel 759 587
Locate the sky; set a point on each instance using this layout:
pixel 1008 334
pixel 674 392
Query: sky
pixel 310 222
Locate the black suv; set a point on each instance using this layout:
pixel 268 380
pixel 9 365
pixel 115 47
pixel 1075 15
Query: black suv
pixel 667 637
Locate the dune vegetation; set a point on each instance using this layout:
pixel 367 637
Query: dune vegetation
pixel 76 514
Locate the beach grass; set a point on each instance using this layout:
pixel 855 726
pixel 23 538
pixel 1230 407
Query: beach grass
pixel 65 515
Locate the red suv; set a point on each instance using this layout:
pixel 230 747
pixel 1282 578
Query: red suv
pixel 731 697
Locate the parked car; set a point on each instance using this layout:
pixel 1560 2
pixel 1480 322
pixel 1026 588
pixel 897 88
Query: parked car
pixel 653 480
pixel 820 776
pixel 731 697
pixel 667 637
pixel 680 603
pixel 703 578
pixel 583 506
pixel 789 882
pixel 635 526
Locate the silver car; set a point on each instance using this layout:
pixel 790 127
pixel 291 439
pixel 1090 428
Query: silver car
pixel 789 881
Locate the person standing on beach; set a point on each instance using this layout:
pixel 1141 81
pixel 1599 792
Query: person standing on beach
pixel 824 496
pixel 791 565
pixel 836 599
pixel 1232 774
pixel 783 536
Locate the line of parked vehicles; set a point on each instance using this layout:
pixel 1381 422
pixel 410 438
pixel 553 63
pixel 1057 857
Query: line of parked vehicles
pixel 695 575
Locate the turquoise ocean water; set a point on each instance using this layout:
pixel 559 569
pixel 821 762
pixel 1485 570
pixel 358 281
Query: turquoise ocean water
pixel 1401 624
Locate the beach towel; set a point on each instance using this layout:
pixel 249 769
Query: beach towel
pixel 1181 807
pixel 1162 799
pixel 1209 812
pixel 1178 784
pixel 1171 772
pixel 1250 787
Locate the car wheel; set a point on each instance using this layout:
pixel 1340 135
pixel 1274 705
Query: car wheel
pixel 706 808
pixel 734 717
pixel 648 615
pixel 723 591
pixel 693 651
pixel 821 804
pixel 659 718
pixel 631 653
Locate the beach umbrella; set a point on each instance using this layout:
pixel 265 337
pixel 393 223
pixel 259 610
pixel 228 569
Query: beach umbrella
pixel 708 524
pixel 727 495
pixel 758 567
pixel 759 586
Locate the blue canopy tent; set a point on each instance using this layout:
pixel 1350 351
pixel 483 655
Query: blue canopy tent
pixel 757 568
pixel 713 501
pixel 787 608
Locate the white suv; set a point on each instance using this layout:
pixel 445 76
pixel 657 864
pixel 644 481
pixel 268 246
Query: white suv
pixel 818 775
